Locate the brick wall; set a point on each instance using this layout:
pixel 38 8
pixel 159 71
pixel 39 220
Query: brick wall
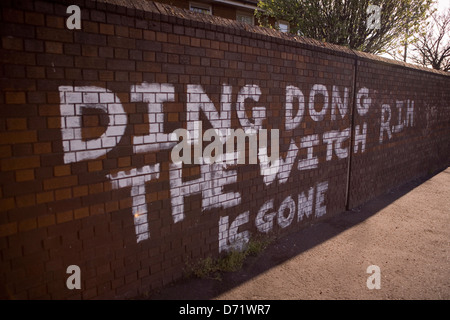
pixel 86 168
pixel 403 144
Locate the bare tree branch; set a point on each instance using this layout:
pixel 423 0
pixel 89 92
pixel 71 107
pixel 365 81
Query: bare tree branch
pixel 433 46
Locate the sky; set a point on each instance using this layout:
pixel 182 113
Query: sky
pixel 441 5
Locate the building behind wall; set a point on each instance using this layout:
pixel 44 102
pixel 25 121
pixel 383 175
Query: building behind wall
pixel 240 10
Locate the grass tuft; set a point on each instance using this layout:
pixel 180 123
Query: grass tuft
pixel 210 268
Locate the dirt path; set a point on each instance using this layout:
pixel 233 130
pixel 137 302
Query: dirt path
pixel 405 232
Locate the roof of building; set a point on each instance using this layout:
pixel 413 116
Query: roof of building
pixel 248 2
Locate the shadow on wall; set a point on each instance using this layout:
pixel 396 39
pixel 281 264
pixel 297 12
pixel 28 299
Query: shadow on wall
pixel 282 249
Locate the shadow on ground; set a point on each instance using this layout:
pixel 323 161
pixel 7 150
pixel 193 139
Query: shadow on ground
pixel 282 249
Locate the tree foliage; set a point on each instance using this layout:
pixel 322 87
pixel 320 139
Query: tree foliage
pixel 344 22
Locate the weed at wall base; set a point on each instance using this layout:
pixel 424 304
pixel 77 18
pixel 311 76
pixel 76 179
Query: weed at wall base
pixel 231 261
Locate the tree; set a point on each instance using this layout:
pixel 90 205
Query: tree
pixel 345 22
pixel 433 45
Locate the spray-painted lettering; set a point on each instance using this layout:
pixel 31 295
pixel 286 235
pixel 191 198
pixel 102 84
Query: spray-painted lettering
pixel 218 169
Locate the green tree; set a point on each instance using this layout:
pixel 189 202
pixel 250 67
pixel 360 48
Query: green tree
pixel 345 22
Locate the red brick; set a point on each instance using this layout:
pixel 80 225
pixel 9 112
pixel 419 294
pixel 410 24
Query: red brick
pixel 79 191
pixel 49 110
pixel 25 175
pixel 55 22
pixel 12 137
pixel 42 147
pixel 34 18
pixel 106 75
pixel 46 220
pixel 14 57
pixel 43 197
pixel 124 162
pixel 125 203
pixel 90 26
pixel 8 229
pixel 51 34
pixel 60 182
pixel 34 45
pixel 20 163
pixel 89 293
pixel 62 194
pixel 15 97
pixel 62 217
pixel 95 188
pixel 81 213
pixel 97 209
pixel 98 16
pixel 27 224
pixel 12 43
pixel 95 165
pixel 89 51
pixel 12 15
pixel 16 123
pixel 26 200
pixel 7 204
pixel 53 97
pixel 90 62
pixel 5 151
pixel 112 206
pixel 62 170
pixel 35 72
pixel 53 47
pixel 53 122
pixel 106 29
